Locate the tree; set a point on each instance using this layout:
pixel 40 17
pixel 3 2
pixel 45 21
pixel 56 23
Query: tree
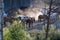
pixel 48 18
pixel 55 2
pixel 16 32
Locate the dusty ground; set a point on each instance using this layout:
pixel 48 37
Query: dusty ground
pixel 39 25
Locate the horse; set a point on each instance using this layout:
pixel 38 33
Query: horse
pixel 8 19
pixel 29 22
pixel 42 18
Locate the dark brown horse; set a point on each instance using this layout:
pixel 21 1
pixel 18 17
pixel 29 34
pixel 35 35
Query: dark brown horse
pixel 10 16
pixel 29 22
pixel 8 19
pixel 42 17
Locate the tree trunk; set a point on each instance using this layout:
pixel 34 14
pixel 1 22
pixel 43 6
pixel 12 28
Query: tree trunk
pixel 48 17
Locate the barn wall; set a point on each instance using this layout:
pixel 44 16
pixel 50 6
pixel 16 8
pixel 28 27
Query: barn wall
pixel 16 3
pixel 1 8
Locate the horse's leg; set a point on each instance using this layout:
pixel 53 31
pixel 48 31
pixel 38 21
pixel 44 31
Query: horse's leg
pixel 10 22
pixel 4 23
pixel 32 24
pixel 29 25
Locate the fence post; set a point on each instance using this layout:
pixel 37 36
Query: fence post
pixel 1 15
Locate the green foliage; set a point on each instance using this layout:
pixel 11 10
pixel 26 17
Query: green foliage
pixel 6 35
pixel 34 33
pixel 15 32
pixel 54 34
